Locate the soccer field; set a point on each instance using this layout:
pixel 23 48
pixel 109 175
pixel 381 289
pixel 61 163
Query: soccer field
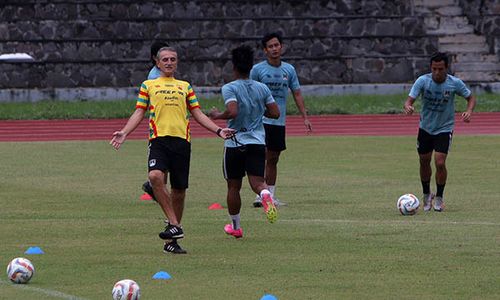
pixel 341 237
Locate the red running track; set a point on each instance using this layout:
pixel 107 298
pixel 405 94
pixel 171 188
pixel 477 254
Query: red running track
pixel 324 125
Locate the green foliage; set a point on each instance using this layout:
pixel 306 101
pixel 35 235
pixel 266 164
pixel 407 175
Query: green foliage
pixel 341 237
pixel 346 104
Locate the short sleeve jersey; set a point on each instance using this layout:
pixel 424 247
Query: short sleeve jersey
pixel 168 101
pixel 154 73
pixel 438 102
pixel 251 97
pixel 279 80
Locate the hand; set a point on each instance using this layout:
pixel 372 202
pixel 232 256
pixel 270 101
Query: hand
pixel 118 139
pixel 227 133
pixel 408 109
pixel 308 125
pixel 466 116
pixel 213 113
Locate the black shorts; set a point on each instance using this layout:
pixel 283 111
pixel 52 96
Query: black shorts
pixel 250 159
pixel 171 154
pixel 275 137
pixel 440 142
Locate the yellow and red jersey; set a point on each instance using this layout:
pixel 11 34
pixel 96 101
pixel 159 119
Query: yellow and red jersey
pixel 168 101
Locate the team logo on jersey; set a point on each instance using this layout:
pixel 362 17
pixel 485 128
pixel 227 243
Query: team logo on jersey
pixel 285 77
pixel 152 162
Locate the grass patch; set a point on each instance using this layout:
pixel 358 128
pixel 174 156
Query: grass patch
pixel 341 237
pixel 316 105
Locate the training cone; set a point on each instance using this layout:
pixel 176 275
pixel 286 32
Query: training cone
pixel 145 197
pixel 215 206
pixel 269 297
pixel 162 275
pixel 34 250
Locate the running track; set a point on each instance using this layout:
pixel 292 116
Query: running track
pixel 324 125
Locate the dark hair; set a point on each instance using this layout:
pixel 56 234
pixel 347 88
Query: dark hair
pixel 242 58
pixel 270 36
pixel 157 45
pixel 440 56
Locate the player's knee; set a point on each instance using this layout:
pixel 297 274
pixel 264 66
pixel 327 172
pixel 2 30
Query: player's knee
pixel 156 177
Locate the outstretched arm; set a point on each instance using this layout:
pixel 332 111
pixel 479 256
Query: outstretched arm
pixel 471 103
pixel 205 121
pixel 299 101
pixel 120 136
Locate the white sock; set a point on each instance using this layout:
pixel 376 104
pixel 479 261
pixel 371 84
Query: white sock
pixel 265 192
pixel 271 188
pixel 235 219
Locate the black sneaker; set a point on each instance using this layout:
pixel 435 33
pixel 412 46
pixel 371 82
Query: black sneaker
pixel 173 247
pixel 172 232
pixel 148 189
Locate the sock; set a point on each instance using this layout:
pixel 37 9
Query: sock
pixel 265 192
pixel 235 219
pixel 271 188
pixel 426 187
pixel 440 190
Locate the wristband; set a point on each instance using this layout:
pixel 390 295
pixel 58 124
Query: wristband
pixel 218 131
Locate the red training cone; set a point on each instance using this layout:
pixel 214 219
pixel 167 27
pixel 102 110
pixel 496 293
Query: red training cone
pixel 215 206
pixel 145 197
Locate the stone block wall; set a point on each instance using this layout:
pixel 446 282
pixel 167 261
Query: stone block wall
pixel 485 16
pixel 89 43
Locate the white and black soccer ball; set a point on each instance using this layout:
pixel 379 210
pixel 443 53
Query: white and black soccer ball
pixel 126 289
pixel 20 270
pixel 408 204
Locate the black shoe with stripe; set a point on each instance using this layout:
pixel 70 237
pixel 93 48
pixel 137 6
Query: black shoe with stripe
pixel 172 232
pixel 173 247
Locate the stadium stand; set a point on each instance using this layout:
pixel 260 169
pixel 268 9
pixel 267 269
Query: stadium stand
pixel 89 43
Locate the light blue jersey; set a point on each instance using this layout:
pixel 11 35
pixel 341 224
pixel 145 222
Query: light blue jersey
pixel 438 102
pixel 279 80
pixel 251 97
pixel 154 73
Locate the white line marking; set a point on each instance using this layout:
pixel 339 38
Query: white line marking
pixel 42 291
pixel 403 222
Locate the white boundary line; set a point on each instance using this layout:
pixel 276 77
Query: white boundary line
pixel 43 291
pixel 408 220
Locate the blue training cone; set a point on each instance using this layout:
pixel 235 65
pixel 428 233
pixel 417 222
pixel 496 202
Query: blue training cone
pixel 269 297
pixel 34 250
pixel 162 275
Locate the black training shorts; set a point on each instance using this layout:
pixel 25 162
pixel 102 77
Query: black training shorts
pixel 250 159
pixel 440 142
pixel 171 154
pixel 275 137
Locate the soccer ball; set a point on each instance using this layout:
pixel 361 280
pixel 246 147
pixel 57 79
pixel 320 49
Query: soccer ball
pixel 408 204
pixel 20 270
pixel 126 289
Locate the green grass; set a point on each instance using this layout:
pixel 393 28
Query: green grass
pixel 346 104
pixel 341 237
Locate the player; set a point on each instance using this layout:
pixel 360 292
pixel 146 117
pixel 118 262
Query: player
pixel 168 101
pixel 279 76
pixel 153 74
pixel 247 101
pixel 437 119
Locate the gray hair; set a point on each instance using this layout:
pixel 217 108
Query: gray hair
pixel 171 49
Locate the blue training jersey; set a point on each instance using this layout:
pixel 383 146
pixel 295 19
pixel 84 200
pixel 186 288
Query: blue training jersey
pixel 251 97
pixel 438 102
pixel 154 73
pixel 279 80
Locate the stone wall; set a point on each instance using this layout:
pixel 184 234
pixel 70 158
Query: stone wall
pixel 485 16
pixel 89 43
